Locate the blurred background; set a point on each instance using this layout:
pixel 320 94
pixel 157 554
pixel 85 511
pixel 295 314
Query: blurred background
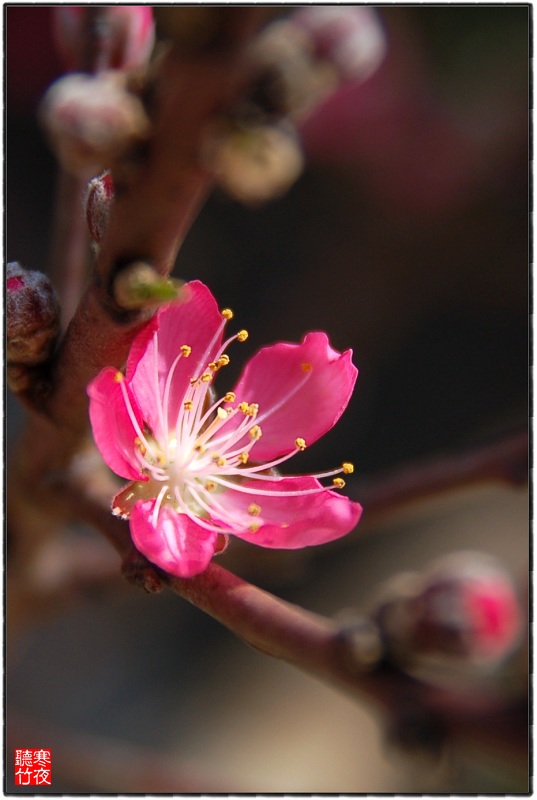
pixel 406 239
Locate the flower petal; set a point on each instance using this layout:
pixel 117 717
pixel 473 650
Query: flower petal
pixel 112 426
pixel 173 541
pixel 194 321
pixel 288 522
pixel 302 390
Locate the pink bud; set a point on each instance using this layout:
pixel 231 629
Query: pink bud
pixel 124 35
pixel 467 606
pixel 92 120
pixel 350 38
pixel 32 316
pixel 99 200
pixel 464 608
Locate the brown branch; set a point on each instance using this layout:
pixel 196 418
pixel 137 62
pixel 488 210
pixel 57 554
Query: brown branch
pixel 69 256
pixel 505 460
pixel 154 208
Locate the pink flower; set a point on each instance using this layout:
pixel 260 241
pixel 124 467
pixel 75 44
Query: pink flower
pixel 202 468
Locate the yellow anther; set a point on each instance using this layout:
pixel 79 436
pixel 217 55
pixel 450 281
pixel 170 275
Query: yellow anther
pixel 243 407
pixel 188 405
pixel 118 377
pixel 223 361
pixel 254 510
pixel 253 408
pixel 255 433
pixel 219 460
pixel 339 483
pixel 227 313
pixel 161 459
pixel 193 381
pixel 206 377
pixel 300 443
pixel 138 443
pixel 347 467
pixel 243 458
pixel 222 413
pixel 185 350
pixel 230 397
pixel 199 448
pixel 242 336
pixel 306 367
pixel 213 366
pixel 254 527
pixel 210 486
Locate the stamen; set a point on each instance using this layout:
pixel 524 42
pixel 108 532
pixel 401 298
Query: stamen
pixel 347 468
pixel 254 510
pixel 195 517
pixel 300 443
pixel 242 336
pixel 188 405
pixel 138 443
pixel 130 412
pixel 158 503
pixel 339 483
pixel 268 492
pixel 255 433
pixel 227 313
pixel 230 397
pixel 185 350
pixel 223 360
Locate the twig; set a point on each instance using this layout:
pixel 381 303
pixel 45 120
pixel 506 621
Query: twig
pixel 69 254
pixel 505 460
pixel 70 244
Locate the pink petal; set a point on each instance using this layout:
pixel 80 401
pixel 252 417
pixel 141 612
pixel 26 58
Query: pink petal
pixel 175 543
pixel 289 522
pixel 194 321
pixel 113 430
pixel 313 400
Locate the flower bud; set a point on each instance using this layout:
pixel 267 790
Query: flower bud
pixel 98 202
pixel 463 608
pixel 91 121
pixel 32 322
pixel 123 35
pixel 351 39
pixel 252 163
pixel 285 80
